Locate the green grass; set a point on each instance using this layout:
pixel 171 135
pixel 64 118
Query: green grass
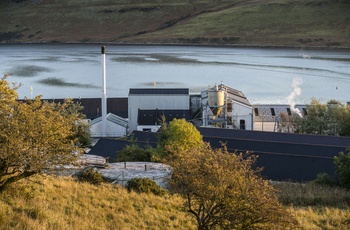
pixel 284 23
pixel 230 22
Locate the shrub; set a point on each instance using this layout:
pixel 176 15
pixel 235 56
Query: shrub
pixel 134 153
pixel 324 179
pixel 342 164
pixel 91 175
pixel 145 185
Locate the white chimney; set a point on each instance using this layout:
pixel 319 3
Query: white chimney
pixel 104 95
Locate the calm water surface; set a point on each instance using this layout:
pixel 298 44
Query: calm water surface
pixel 263 75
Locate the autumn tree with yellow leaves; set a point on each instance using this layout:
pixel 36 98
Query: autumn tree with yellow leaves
pixel 221 189
pixel 34 135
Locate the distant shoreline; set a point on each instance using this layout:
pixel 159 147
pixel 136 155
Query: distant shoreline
pixel 184 44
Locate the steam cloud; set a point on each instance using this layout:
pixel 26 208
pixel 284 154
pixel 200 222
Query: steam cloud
pixel 295 92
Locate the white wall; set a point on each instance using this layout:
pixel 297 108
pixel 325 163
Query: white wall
pixel 153 128
pixel 239 112
pixel 113 130
pixel 242 112
pixel 159 101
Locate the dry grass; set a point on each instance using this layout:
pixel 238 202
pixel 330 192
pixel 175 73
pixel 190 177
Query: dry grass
pixel 62 203
pixel 315 206
pixel 315 218
pixel 302 195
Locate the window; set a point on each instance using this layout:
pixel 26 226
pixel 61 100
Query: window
pixel 256 111
pixel 305 111
pixel 289 112
pixel 242 124
pixel 273 112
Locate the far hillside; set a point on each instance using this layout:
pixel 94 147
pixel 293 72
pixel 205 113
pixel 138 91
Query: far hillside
pixel 297 23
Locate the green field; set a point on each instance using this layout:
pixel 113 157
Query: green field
pixel 298 23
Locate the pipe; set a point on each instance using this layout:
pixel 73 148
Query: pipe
pixel 104 95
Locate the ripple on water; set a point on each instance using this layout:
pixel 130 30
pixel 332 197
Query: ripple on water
pixel 28 70
pixel 52 81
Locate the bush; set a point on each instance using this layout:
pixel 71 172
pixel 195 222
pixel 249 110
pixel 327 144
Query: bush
pixel 134 153
pixel 342 164
pixel 145 185
pixel 324 179
pixel 91 175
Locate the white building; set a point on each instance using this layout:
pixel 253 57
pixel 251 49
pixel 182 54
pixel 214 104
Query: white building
pixel 276 118
pixel 226 107
pixel 147 105
pixel 116 126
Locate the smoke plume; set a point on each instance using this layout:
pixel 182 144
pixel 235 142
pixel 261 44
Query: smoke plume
pixel 296 91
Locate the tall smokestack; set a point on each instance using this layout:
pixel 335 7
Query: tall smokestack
pixel 104 95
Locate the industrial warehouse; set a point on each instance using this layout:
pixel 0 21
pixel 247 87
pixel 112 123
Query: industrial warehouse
pixel 219 106
pixel 222 115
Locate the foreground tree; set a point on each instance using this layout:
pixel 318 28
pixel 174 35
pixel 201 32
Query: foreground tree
pixel 34 136
pixel 73 112
pixel 223 191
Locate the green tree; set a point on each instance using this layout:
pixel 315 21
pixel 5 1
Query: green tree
pixel 34 136
pixel 179 134
pixel 223 191
pixel 287 123
pixel 325 119
pixel 342 164
pixel 81 128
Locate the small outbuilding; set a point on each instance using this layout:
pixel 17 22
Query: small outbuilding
pixel 116 126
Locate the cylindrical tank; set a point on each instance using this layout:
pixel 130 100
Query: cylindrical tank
pixel 216 100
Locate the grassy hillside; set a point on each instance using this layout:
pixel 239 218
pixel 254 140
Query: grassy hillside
pixel 62 203
pixel 231 22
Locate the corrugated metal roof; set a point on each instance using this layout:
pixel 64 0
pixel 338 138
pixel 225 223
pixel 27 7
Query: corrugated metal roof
pixel 235 95
pixel 264 112
pixel 283 156
pixel 276 137
pixel 112 118
pixel 151 91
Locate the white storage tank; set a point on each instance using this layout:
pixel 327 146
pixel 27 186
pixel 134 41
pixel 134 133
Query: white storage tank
pixel 216 100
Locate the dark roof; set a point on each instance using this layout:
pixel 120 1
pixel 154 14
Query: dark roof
pixel 92 106
pixel 283 156
pixel 151 91
pixel 154 116
pixel 276 137
pixel 143 136
pixel 109 148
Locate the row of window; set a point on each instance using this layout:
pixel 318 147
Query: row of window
pixel 273 113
